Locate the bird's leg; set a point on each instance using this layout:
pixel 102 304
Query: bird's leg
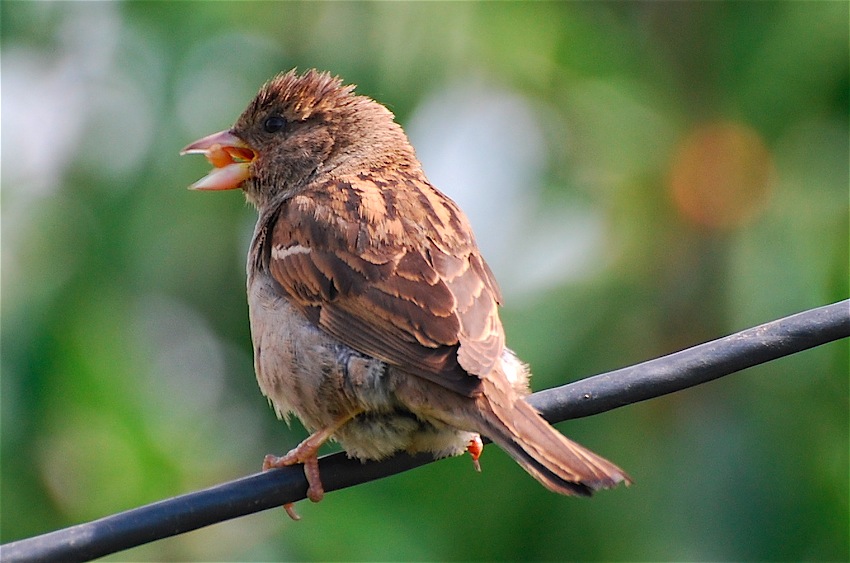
pixel 306 453
pixel 475 447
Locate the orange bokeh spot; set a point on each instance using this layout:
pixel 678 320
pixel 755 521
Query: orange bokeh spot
pixel 721 175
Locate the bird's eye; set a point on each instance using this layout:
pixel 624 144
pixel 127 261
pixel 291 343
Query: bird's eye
pixel 274 124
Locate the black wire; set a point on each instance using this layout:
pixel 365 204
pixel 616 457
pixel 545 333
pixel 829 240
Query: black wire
pixel 696 365
pixel 586 397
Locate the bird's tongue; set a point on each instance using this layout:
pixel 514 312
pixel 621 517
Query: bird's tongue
pixel 230 156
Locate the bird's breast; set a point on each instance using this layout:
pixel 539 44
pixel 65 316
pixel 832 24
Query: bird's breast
pixel 304 371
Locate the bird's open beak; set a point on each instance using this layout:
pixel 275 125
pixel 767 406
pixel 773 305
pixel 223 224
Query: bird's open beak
pixel 230 156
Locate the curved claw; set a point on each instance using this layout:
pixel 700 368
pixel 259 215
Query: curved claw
pixel 306 453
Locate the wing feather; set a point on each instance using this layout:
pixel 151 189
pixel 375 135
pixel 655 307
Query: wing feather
pixel 409 288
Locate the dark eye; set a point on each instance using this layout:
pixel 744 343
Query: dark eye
pixel 274 124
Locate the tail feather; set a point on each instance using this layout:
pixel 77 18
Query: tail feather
pixel 556 462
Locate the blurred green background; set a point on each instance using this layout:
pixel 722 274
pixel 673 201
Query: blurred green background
pixel 641 176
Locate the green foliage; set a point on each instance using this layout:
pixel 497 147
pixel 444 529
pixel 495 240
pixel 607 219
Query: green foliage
pixel 560 127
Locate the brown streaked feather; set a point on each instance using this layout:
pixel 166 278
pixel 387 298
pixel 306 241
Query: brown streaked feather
pixel 560 464
pixel 410 289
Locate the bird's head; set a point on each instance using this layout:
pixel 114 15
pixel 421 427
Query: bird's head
pixel 295 128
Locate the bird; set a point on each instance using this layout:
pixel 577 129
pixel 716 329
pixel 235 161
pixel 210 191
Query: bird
pixel 374 318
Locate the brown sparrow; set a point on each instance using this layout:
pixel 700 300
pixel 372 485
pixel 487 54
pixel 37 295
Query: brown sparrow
pixel 373 315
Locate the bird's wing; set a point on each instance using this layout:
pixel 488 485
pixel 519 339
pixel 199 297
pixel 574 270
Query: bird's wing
pixel 397 277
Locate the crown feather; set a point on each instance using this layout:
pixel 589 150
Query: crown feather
pixel 303 96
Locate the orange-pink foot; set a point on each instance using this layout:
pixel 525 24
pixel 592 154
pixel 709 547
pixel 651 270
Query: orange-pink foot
pixel 475 447
pixel 315 490
pixel 307 452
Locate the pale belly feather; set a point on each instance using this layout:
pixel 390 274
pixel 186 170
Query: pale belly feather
pixel 304 371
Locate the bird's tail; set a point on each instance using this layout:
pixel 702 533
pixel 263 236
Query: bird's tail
pixel 558 463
